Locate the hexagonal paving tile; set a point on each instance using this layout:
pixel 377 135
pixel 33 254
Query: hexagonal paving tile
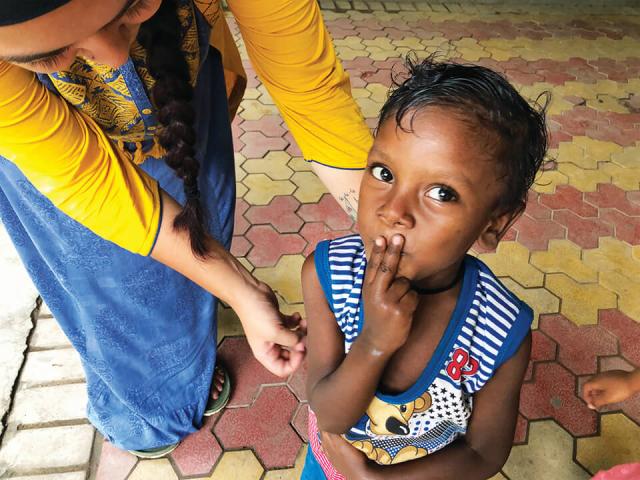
pixel 262 189
pixel 281 279
pixel 539 299
pixel 328 211
pixel 115 464
pixel 199 452
pixel 564 256
pixel 269 245
pixel 580 347
pixel 280 213
pixel 512 260
pixel 153 469
pixel 547 455
pixel 580 302
pixel 274 165
pixel 247 374
pixel 618 442
pixel 264 427
pixel 310 188
pixel 552 394
pixel 242 465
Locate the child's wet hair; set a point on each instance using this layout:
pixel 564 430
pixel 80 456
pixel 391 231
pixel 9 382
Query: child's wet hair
pixel 513 131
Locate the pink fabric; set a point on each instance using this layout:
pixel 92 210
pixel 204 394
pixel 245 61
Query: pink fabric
pixel 314 442
pixel 629 471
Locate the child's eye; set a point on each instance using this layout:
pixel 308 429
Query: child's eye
pixel 382 173
pixel 442 194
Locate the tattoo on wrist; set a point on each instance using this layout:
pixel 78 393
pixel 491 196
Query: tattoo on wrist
pixel 349 202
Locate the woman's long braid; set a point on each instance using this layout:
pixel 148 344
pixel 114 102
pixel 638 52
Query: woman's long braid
pixel 161 36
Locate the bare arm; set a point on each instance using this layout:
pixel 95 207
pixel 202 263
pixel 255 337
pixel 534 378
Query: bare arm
pixel 477 456
pixel 341 386
pixel 222 275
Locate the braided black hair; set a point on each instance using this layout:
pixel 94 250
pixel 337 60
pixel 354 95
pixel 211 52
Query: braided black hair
pixel 172 94
pixel 517 131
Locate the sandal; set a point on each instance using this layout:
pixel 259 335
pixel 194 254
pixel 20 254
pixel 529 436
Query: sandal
pixel 214 406
pixel 154 452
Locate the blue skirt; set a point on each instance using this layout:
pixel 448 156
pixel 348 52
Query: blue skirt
pixel 146 334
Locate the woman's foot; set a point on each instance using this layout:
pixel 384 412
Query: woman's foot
pixel 220 391
pixel 154 452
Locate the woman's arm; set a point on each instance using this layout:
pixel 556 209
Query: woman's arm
pixel 479 455
pixel 340 386
pixel 70 160
pixel 292 53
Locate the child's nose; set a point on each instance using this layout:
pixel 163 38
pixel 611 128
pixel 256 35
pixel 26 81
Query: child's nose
pixel 396 212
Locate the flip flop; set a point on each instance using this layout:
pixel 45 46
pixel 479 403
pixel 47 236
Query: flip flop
pixel 214 406
pixel 154 452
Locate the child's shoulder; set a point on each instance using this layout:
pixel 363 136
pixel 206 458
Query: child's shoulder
pixel 490 285
pixel 498 310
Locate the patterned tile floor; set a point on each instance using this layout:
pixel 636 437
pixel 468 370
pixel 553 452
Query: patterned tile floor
pixel 574 255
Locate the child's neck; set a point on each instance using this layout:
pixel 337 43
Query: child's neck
pixel 442 281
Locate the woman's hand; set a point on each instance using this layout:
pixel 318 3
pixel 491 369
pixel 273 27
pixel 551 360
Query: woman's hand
pixel 276 339
pixel 610 387
pixel 346 459
pixel 389 302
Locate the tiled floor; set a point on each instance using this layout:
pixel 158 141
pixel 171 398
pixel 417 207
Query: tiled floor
pixel 574 256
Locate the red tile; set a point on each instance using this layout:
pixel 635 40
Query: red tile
pixel 269 245
pixel 257 144
pixel 281 213
pixel 300 421
pixel 567 197
pixel 199 452
pixel 626 330
pixel 626 228
pixel 239 246
pixel 552 395
pixel 543 349
pixel 247 374
pixel 584 232
pixel 115 464
pixel 535 209
pixel 314 232
pixel 269 125
pixel 240 223
pixel 297 383
pixel 293 149
pixel 328 211
pixel 536 233
pixel 611 196
pixel 265 427
pixel 579 347
pixel 522 430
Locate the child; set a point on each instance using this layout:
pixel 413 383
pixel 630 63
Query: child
pixel 611 387
pixel 416 351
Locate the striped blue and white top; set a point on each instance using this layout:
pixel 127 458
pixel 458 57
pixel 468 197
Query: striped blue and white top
pixel 486 328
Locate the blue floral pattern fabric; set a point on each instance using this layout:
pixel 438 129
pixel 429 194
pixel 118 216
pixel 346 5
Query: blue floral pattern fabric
pixel 146 334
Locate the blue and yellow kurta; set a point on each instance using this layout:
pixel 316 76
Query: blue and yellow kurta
pixel 79 196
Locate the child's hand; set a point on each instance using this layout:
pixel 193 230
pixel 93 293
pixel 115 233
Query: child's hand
pixel 389 302
pixel 609 387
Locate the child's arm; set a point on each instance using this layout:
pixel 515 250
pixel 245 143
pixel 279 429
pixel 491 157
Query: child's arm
pixel 611 387
pixel 479 455
pixel 340 387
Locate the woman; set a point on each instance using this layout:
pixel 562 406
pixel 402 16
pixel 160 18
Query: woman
pixel 117 187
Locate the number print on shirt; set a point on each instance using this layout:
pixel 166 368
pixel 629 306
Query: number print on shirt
pixel 459 360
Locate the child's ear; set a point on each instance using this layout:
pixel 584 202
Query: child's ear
pixel 497 227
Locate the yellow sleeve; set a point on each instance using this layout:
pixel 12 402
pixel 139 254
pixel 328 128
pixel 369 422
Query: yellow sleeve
pixel 292 52
pixel 68 158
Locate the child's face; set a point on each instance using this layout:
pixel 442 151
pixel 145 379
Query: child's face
pixel 436 187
